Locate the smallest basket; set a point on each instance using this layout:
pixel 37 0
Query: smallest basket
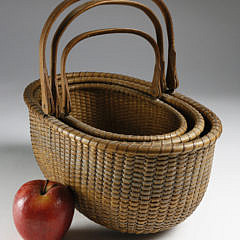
pixel 116 112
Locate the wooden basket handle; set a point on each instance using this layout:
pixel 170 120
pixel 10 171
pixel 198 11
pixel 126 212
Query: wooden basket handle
pixel 49 90
pixel 50 96
pixel 171 78
pixel 66 103
pixel 156 87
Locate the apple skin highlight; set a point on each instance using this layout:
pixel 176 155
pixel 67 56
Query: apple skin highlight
pixel 43 210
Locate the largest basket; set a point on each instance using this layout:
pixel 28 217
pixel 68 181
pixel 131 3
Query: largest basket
pixel 127 186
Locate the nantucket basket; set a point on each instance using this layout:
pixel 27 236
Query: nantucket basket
pixel 119 115
pixel 128 182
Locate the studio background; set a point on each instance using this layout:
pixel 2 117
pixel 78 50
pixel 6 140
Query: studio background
pixel 207 37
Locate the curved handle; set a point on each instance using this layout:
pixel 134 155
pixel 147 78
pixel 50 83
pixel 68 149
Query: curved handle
pixel 66 103
pixel 49 90
pixel 81 9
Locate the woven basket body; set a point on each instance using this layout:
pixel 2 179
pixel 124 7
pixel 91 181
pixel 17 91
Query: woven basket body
pixel 129 187
pixel 137 156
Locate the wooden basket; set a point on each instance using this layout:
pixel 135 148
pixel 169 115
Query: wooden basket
pixel 130 186
pixel 119 113
pixel 80 94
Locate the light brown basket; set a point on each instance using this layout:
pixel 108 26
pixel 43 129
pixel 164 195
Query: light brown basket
pixel 139 118
pixel 130 187
pixel 80 96
pixel 117 113
pixel 134 187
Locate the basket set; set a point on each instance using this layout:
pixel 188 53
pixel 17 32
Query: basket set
pixel 137 154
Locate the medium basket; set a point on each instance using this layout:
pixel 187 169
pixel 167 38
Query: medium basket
pixel 82 85
pixel 130 186
pixel 118 107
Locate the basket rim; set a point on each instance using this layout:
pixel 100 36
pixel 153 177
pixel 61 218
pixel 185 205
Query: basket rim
pixel 131 147
pixel 101 79
pixel 193 113
pixel 179 130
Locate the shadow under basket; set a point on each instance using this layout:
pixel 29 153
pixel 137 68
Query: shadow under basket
pixel 131 187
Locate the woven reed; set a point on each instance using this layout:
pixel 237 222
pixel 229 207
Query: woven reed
pixel 121 113
pixel 130 187
pixel 119 95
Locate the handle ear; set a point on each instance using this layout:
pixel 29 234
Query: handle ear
pixel 171 78
pixel 66 104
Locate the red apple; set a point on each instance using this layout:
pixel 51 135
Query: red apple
pixel 43 210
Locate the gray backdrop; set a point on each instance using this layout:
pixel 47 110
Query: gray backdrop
pixel 207 44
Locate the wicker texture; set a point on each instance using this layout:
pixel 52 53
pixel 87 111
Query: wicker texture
pixel 124 177
pixel 128 115
pixel 130 187
pixel 122 114
pixel 103 84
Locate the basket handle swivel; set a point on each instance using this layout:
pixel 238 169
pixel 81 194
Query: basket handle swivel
pixel 66 104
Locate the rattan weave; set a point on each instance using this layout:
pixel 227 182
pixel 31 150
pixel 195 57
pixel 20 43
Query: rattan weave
pixel 130 186
pixel 121 113
pixel 94 86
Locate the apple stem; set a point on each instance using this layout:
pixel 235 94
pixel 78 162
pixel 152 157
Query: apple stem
pixel 45 187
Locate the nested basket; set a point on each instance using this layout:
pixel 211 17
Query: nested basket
pixel 116 106
pixel 135 118
pixel 142 186
pixel 120 113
